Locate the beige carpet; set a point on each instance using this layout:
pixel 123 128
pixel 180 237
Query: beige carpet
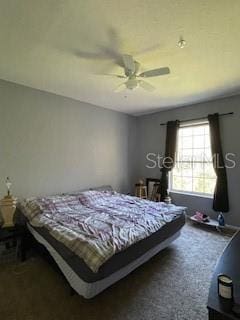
pixel 172 285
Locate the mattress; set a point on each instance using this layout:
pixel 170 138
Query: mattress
pixel 98 237
pixel 97 225
pixel 90 290
pixel 120 259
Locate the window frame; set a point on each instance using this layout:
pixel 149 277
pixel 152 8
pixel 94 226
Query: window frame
pixel 179 191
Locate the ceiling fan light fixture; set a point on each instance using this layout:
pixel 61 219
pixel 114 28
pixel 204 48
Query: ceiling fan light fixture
pixel 132 84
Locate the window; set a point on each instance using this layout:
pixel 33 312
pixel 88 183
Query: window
pixel 193 171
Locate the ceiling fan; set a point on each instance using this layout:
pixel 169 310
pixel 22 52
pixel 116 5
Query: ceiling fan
pixel 134 79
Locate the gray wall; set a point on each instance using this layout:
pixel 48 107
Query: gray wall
pixel 152 137
pixel 51 144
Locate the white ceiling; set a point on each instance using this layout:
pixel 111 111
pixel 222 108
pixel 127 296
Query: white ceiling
pixel 64 46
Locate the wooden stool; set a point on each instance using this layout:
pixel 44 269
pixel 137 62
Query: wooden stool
pixel 140 191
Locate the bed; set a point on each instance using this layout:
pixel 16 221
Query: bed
pixel 97 237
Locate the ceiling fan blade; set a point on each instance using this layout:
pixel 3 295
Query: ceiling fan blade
pixel 113 75
pixel 129 63
pixel 155 72
pixel 146 86
pixel 137 66
pixel 120 87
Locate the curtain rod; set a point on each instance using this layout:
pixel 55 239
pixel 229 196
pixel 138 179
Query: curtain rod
pixel 202 118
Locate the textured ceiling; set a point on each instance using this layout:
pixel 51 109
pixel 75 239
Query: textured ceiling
pixel 64 46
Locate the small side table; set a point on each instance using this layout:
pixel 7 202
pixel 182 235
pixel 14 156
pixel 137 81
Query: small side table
pixel 7 210
pixel 16 235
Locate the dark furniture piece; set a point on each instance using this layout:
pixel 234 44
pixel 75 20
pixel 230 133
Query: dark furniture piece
pixel 14 237
pixel 229 264
pixel 153 189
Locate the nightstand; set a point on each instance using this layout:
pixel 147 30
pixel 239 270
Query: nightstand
pixel 13 239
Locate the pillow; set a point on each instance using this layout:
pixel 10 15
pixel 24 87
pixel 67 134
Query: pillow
pixel 102 188
pixel 29 207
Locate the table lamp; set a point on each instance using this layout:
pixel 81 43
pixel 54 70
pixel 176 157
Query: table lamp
pixel 8 206
pixel 8 184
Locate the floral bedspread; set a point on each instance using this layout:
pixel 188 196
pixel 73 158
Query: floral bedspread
pixel 97 224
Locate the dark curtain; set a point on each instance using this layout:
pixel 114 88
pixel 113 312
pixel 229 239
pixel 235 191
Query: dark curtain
pixel 220 200
pixel 170 153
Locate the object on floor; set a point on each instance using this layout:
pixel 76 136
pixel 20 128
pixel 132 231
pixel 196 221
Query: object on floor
pixel 140 190
pixel 228 264
pixel 221 220
pixel 153 189
pixel 155 196
pixel 201 217
pixel 167 200
pixel 213 224
pixel 210 223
